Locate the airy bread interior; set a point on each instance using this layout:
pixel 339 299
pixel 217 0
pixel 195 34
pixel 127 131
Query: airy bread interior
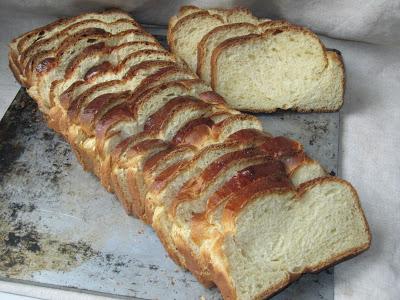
pixel 305 231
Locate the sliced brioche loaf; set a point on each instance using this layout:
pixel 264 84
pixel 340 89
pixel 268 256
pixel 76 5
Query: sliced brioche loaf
pixel 211 183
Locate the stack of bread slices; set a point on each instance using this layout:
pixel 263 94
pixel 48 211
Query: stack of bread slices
pixel 239 208
pixel 258 64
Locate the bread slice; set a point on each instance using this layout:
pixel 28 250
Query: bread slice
pixel 315 84
pixel 186 34
pixel 249 263
pixel 215 37
pixel 219 34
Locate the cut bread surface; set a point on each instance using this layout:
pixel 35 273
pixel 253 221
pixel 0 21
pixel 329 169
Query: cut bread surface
pixel 292 244
pixel 258 65
pixel 311 79
pixel 223 196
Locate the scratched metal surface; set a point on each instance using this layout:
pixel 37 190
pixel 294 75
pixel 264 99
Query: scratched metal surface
pixel 59 227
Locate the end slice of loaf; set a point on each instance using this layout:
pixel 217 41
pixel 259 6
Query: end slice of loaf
pixel 295 73
pixel 250 263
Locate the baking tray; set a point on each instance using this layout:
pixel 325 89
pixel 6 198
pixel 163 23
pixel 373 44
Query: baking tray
pixel 60 228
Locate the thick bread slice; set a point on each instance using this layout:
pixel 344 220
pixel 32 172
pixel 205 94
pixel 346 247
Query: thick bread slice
pixel 215 37
pixel 249 263
pixel 186 34
pixel 303 75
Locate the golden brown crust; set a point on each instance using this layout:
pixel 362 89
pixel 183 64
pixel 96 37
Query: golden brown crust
pixel 32 35
pixel 84 29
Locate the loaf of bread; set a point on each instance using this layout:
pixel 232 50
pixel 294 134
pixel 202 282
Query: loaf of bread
pixel 258 65
pixel 237 207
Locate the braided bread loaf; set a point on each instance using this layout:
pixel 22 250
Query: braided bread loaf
pixel 236 206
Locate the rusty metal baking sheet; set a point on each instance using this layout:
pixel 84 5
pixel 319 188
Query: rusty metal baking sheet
pixel 59 227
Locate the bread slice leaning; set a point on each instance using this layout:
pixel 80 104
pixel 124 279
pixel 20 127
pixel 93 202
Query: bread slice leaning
pixel 259 65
